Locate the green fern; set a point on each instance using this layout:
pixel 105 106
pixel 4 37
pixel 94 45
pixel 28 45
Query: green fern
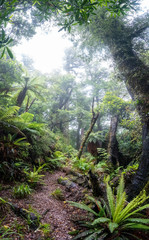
pixel 116 219
pixel 7 114
pixel 33 177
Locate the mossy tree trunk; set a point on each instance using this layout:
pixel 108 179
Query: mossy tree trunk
pixel 84 140
pixel 112 145
pixel 93 121
pixel 136 75
pixel 119 36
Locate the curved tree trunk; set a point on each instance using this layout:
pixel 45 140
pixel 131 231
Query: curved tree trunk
pixel 137 81
pixel 136 75
pixel 119 38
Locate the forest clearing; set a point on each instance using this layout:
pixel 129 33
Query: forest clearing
pixel 74 142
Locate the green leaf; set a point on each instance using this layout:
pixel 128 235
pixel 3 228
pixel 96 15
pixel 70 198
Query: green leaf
pixel 101 220
pixel 137 210
pixel 110 198
pixel 10 41
pixel 102 237
pixel 83 234
pixel 112 226
pixel 3 34
pixel 136 226
pixel 3 52
pixel 82 206
pixel 9 53
pixel 138 220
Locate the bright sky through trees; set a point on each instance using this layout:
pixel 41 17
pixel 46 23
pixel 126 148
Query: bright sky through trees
pixel 47 50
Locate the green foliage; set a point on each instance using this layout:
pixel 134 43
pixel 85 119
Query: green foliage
pixel 102 154
pixel 82 164
pixel 8 114
pixel 4 42
pixel 57 155
pixel 131 169
pixel 6 232
pixel 41 145
pixel 22 191
pixel 117 219
pixel 113 104
pixel 3 206
pixel 46 229
pixel 11 146
pixel 81 11
pixel 58 194
pixel 97 136
pixel 32 217
pixel 102 167
pixel 129 137
pixel 33 177
pixel 53 163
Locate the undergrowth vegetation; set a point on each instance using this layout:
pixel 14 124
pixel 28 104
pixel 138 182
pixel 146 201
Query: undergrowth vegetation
pixel 116 218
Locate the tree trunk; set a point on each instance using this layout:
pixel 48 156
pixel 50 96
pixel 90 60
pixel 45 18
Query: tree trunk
pixel 142 174
pixel 93 121
pixel 22 94
pixel 113 144
pixel 78 136
pixel 136 75
pixel 21 97
pixel 119 38
pixel 95 184
pixel 29 106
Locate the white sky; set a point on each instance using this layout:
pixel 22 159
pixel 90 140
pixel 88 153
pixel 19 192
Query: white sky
pixel 47 50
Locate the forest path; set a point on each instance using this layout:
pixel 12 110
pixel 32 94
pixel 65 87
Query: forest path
pixel 58 213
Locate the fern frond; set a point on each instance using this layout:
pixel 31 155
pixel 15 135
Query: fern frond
pixel 140 220
pixel 101 220
pixel 110 198
pixel 27 117
pixel 83 234
pixel 137 210
pixel 101 209
pixel 135 203
pixel 136 226
pixel 119 206
pixel 120 189
pixel 6 114
pixel 131 235
pixel 83 206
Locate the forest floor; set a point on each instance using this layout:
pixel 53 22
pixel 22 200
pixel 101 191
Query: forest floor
pixel 58 213
pixel 59 217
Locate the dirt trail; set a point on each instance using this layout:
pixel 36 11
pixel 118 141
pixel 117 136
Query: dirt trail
pixel 55 212
pixel 58 211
